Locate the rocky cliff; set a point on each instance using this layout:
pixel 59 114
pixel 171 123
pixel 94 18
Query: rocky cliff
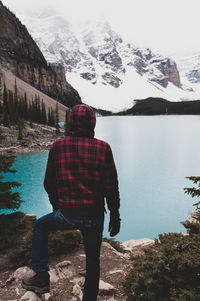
pixel 20 54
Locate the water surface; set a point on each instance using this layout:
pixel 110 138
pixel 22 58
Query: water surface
pixel 153 155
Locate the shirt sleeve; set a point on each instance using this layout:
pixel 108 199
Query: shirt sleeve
pixel 111 186
pixel 50 180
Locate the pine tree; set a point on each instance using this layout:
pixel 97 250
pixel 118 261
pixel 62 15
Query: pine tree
pixel 66 126
pixel 0 86
pixel 49 116
pixel 20 129
pixel 5 98
pixel 12 113
pixel 1 136
pixel 16 99
pixel 193 225
pixel 57 119
pixel 25 109
pixel 5 107
pixel 43 113
pixel 8 198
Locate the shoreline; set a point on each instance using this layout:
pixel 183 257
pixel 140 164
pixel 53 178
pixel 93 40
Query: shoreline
pixel 37 138
pixel 18 150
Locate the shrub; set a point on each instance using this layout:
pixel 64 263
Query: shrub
pixel 13 226
pixel 59 242
pixel 62 242
pixel 16 239
pixel 168 271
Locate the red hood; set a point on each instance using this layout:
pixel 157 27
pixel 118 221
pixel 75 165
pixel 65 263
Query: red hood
pixel 82 121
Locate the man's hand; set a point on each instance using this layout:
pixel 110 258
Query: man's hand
pixel 114 225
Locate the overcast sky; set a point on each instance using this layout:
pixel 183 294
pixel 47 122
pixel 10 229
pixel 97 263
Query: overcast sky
pixel 166 26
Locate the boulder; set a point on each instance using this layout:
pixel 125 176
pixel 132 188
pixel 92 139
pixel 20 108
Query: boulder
pixel 105 288
pixel 136 247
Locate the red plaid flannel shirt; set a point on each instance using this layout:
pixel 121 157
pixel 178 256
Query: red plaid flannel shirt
pixel 81 170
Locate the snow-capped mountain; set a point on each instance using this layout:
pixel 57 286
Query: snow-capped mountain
pixel 107 71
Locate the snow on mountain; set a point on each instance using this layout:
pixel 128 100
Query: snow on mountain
pixel 108 72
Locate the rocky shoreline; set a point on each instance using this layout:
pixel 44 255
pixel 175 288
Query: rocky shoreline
pixel 37 137
pixel 67 274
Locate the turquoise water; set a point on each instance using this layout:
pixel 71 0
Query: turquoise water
pixel 153 156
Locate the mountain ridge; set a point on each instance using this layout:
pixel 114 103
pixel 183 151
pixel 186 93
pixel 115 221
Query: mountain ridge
pixel 109 72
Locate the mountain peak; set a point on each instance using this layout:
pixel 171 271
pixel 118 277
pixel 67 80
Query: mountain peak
pixel 97 58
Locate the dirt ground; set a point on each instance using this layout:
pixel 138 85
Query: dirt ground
pixel 114 267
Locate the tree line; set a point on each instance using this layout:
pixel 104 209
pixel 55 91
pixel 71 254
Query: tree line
pixel 13 109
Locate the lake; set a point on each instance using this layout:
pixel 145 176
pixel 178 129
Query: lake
pixel 153 155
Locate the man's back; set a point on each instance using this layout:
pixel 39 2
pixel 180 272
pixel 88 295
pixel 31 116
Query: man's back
pixel 81 168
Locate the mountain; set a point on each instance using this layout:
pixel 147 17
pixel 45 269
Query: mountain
pixel 20 54
pixel 108 71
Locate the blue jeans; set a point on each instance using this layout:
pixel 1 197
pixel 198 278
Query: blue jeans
pixel 91 230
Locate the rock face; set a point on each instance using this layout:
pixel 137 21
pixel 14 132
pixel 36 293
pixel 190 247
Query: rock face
pixel 97 53
pixel 189 67
pixel 20 54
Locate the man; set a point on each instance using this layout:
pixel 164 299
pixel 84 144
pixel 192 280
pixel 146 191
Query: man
pixel 80 173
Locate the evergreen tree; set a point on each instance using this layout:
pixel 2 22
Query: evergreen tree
pixel 5 119
pixel 193 225
pixel 66 126
pixel 16 98
pixel 20 129
pixel 0 87
pixel 5 98
pixel 57 119
pixel 43 113
pixel 51 117
pixel 5 107
pixel 12 113
pixel 8 199
pixel 1 136
pixel 25 108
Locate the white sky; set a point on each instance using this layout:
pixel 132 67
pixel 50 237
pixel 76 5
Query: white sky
pixel 165 26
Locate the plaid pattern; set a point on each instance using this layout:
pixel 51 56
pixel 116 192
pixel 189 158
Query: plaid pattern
pixel 81 170
pixel 82 121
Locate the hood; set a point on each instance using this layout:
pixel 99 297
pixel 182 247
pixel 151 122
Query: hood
pixel 82 121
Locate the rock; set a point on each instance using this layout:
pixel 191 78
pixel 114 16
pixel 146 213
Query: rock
pixel 143 242
pixel 116 271
pixel 53 275
pixel 20 274
pixel 77 291
pixel 105 288
pixel 135 247
pixel 31 217
pixel 119 254
pixel 30 296
pixel 62 270
pixel 111 79
pixel 47 297
pixel 80 281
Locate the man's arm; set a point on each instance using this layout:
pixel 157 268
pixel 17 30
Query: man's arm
pixel 111 188
pixel 50 180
